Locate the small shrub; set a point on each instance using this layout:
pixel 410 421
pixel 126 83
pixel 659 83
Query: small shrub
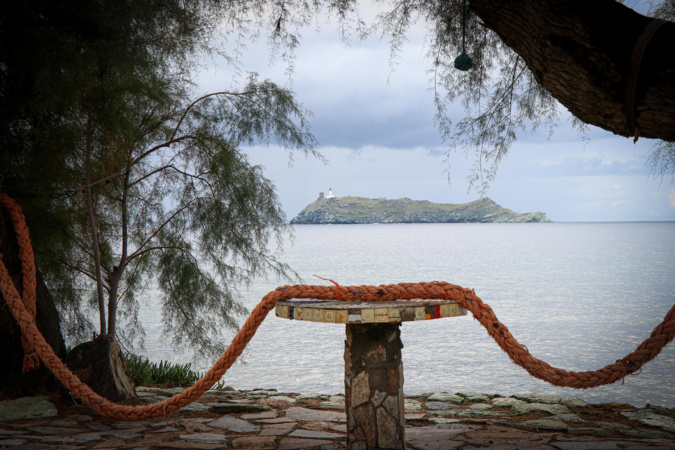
pixel 148 373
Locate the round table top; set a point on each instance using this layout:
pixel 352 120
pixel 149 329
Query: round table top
pixel 367 312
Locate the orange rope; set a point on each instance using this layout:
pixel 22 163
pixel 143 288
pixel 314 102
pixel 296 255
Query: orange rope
pixel 466 298
pixel 337 286
pixel 30 361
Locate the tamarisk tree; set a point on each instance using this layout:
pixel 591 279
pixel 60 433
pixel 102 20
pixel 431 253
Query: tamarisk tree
pixel 174 202
pixel 130 178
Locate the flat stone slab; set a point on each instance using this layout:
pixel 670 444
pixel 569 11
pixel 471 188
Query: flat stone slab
pixel 538 398
pixel 233 424
pixel 254 442
pixel 481 406
pixel 204 438
pixel 649 417
pixel 262 415
pixel 308 396
pixel 420 394
pixel 292 443
pixel 570 418
pixel 26 408
pixel 170 392
pixel 529 408
pixel 281 398
pixel 412 405
pixel 544 424
pixel 474 396
pixel 507 402
pixel 277 420
pixel 311 434
pixel 306 414
pixel 573 402
pixel 445 397
pixel 436 436
pixel 607 445
pixel 229 408
pixel 440 406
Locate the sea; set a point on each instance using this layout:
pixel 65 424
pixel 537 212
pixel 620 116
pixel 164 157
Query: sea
pixel 578 295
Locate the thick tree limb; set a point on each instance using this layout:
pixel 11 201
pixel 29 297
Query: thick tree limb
pixel 581 50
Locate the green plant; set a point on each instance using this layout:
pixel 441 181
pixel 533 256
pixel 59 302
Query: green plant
pixel 148 373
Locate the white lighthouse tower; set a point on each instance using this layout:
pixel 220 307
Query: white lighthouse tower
pixel 330 193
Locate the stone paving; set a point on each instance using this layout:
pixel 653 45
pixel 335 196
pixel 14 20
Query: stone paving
pixel 267 419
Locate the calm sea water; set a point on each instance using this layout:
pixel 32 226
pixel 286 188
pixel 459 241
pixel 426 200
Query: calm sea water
pixel 578 295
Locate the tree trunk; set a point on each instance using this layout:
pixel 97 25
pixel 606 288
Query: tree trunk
pixel 581 51
pixel 13 382
pixel 101 365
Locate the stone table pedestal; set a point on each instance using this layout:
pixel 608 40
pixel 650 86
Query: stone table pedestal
pixel 373 365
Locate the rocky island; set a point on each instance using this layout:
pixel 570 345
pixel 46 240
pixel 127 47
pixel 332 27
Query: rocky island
pixel 360 210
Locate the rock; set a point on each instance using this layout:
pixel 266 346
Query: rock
pixel 266 392
pixel 465 413
pixel 529 408
pixel 262 415
pixel 291 444
pixel 642 433
pixel 170 392
pixel 508 402
pixel 544 424
pixel 277 420
pixel 420 395
pixel 233 424
pixel 281 398
pixel 310 434
pixel 445 397
pixel 228 408
pixel 412 405
pixel 436 436
pixel 229 392
pixel 592 445
pixel 256 442
pixel 474 396
pixel 14 442
pixel 573 402
pixel 443 420
pixel 204 438
pixel 439 406
pixel 538 398
pixel 331 405
pixel 26 408
pixel 306 414
pixel 481 406
pixel 648 417
pixel 303 397
pixel 56 430
pixel 571 418
pixel 194 406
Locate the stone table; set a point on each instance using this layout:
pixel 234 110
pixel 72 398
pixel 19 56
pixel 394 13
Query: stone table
pixel 373 366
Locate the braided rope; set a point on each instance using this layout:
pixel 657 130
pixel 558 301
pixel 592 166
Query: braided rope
pixel 30 361
pixel 466 298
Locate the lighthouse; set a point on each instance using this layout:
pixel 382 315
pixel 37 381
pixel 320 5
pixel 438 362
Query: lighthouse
pixel 330 193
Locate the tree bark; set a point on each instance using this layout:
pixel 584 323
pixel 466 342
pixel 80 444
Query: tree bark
pixel 13 382
pixel 101 365
pixel 581 51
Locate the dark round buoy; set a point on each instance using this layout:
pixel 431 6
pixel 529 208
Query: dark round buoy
pixel 463 62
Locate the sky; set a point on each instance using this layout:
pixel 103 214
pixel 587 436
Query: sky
pixel 375 127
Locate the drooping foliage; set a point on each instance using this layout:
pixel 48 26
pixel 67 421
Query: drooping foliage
pixel 130 180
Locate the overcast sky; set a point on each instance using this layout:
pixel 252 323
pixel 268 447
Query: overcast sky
pixel 376 129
